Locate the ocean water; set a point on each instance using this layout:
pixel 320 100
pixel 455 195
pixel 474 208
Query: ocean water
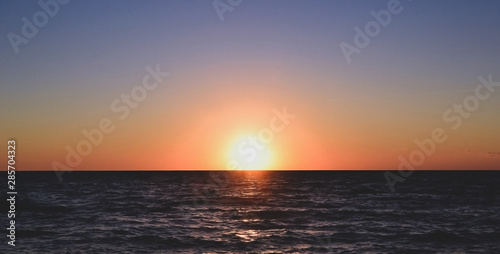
pixel 255 212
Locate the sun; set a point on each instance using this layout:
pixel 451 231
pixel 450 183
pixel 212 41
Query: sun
pixel 249 153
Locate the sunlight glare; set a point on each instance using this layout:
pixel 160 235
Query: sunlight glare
pixel 248 153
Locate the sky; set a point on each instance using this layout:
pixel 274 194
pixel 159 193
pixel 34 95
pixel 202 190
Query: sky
pixel 250 84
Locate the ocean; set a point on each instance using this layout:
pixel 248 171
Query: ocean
pixel 255 212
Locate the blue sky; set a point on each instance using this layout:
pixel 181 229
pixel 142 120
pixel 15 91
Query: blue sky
pixel 91 51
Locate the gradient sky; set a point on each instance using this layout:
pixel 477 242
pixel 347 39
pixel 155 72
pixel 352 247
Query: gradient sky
pixel 226 77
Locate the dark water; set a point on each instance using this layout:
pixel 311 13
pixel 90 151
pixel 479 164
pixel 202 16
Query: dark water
pixel 266 212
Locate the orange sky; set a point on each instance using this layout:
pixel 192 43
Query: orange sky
pixel 225 79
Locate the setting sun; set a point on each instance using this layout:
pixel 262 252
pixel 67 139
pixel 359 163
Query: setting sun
pixel 248 153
